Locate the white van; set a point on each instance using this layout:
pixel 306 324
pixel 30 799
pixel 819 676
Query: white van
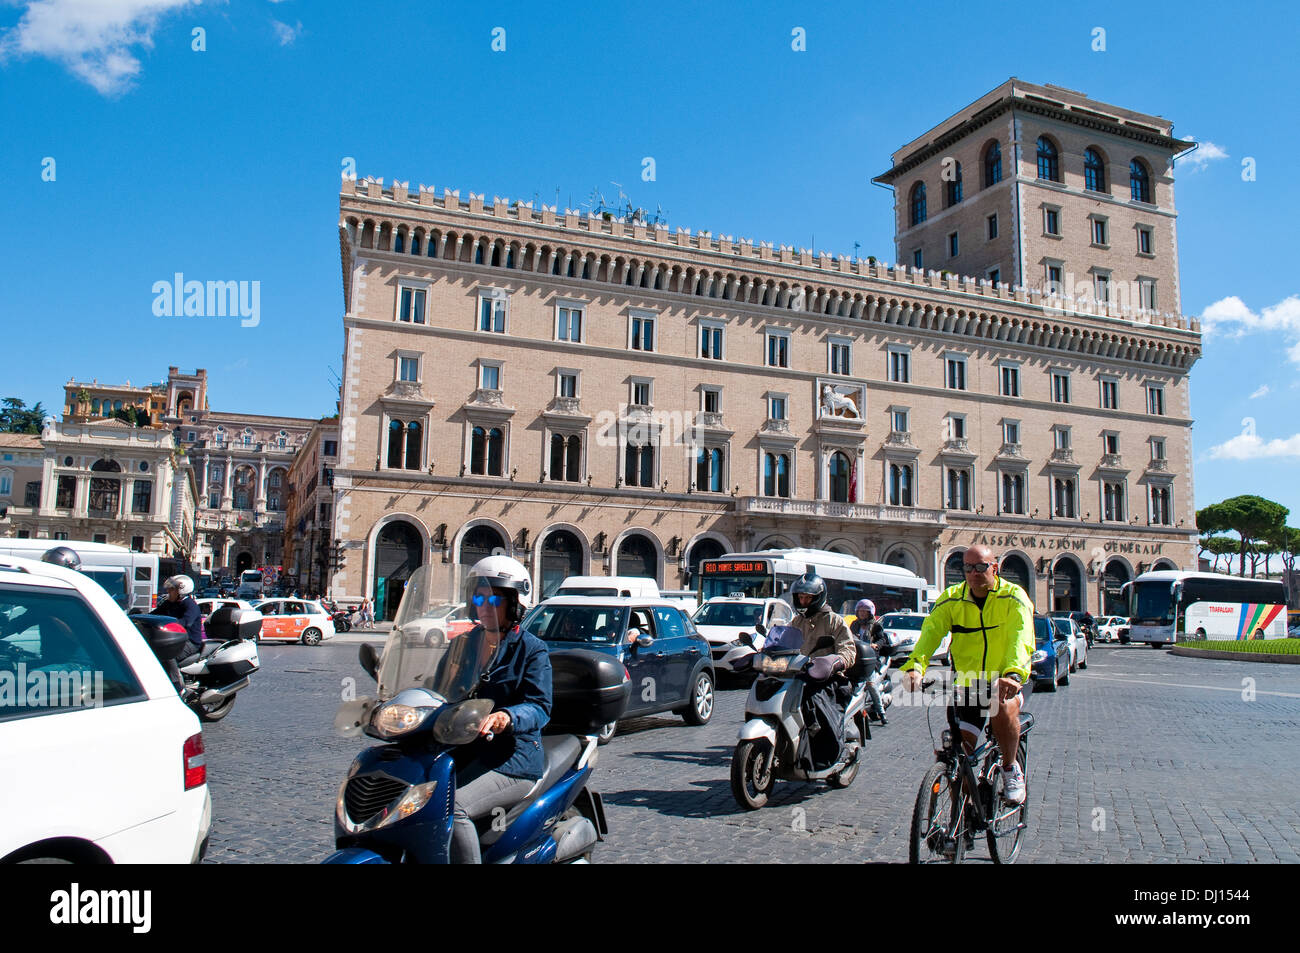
pixel 130 578
pixel 637 587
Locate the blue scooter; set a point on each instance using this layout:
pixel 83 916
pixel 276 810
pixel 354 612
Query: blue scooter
pixel 396 804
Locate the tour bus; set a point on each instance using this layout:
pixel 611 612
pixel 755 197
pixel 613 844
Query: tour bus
pixel 771 572
pixel 1172 606
pixel 131 578
pixel 250 584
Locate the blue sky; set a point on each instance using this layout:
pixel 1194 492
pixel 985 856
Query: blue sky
pixel 223 163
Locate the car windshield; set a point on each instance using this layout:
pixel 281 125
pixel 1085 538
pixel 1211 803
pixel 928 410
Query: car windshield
pixel 1062 625
pixel 902 621
pixel 417 654
pixel 1042 630
pixel 743 614
pixel 595 624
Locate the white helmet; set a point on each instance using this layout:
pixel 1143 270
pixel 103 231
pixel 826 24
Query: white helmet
pixel 502 572
pixel 182 584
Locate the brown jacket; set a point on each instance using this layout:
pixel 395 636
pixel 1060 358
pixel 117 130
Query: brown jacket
pixel 823 623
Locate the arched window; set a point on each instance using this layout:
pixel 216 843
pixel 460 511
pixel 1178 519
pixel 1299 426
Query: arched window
pixel 117 405
pixel 992 164
pixel 958 490
pixel 413 445
pixel 477 450
pixel 918 203
pixel 1094 171
pixel 953 572
pixel 954 187
pixel 839 478
pixel 708 470
pixel 478 253
pixel 1049 162
pixel 776 474
pixel 637 557
pixel 900 484
pixel 395 445
pixel 639 465
pixel 399 241
pixel 1139 181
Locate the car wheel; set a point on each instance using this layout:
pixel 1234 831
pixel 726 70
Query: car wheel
pixel 1065 678
pixel 1083 663
pixel 701 708
pixel 606 733
pixel 1074 665
pixel 311 636
pixel 1157 645
pixel 1123 640
pixel 1200 634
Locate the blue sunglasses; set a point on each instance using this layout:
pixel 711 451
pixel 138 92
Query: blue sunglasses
pixel 492 600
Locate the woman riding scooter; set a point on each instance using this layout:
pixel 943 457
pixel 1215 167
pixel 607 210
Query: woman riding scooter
pixel 499 769
pixel 866 628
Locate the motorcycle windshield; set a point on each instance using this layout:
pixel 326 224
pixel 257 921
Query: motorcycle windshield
pixel 783 638
pixel 418 653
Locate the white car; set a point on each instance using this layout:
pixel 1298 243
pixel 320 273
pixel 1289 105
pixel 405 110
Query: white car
pixel 112 762
pixel 723 618
pixel 294 620
pixel 1078 641
pixel 209 606
pixel 1109 628
pixel 903 629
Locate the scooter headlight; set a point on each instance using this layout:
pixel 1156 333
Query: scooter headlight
pixel 406 713
pixel 773 666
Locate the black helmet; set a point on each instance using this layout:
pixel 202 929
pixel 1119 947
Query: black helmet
pixel 810 584
pixel 64 556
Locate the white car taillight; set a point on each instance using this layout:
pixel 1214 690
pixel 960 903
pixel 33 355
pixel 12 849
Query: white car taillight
pixel 196 770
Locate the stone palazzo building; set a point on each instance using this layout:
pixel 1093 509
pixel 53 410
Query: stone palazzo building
pixel 593 394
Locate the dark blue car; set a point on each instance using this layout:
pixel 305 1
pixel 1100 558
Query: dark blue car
pixel 1051 658
pixel 666 658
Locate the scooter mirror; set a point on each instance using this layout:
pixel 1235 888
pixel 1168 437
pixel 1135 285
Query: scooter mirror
pixel 760 628
pixel 747 639
pixel 369 660
pixel 459 724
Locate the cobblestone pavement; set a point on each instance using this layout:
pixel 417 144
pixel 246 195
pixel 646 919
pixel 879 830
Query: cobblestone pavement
pixel 1144 757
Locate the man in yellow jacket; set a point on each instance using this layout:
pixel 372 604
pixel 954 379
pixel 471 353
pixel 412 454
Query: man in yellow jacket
pixel 992 626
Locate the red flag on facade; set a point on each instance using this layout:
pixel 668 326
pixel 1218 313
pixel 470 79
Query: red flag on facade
pixel 853 482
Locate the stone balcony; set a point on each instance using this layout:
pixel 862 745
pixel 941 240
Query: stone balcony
pixel 900 438
pixel 1159 466
pixel 566 405
pixel 1011 450
pixel 1111 461
pixel 854 512
pixel 1062 455
pixel 772 426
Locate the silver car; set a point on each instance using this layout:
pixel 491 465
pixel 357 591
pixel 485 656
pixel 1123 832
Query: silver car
pixel 1078 641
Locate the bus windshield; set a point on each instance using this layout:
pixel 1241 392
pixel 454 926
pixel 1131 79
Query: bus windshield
pixel 1153 604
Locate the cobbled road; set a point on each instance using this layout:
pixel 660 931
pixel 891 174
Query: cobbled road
pixel 1143 757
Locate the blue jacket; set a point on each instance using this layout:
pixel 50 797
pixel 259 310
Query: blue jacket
pixel 518 681
pixel 188 614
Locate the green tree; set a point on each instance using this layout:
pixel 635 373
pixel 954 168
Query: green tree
pixel 1218 547
pixel 17 417
pixel 1252 518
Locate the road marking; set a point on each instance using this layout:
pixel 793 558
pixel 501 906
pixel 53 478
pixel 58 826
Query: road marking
pixel 1210 688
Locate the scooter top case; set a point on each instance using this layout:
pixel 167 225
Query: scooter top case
pixel 228 623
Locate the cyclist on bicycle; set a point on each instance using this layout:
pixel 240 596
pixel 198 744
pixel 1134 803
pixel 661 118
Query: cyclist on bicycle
pixel 992 626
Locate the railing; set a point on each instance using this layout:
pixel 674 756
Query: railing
pixel 824 509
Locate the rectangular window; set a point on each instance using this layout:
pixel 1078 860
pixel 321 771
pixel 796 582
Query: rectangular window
pixel 711 341
pixel 1011 431
pixel 643 333
pixel 900 367
pixel 190 436
pixel 1099 233
pixel 142 497
pixel 1013 493
pixel 1145 244
pixel 409 368
pixel 1110 441
pixel 66 493
pixel 900 484
pixel 1010 381
pixel 1112 496
pixel 137 544
pixel 952 245
pixel 776 408
pixel 1147 294
pixel 992 227
pixel 1156 401
pixel 411 306
pixel 1062 438
pixel 1063 504
pixel 1157 448
pixel 568 324
pixel 1110 395
pixel 778 350
pixel 1102 288
pixel 956 427
pixel 1060 388
pixel 1052 221
pixel 641 393
pixel 1054 284
pixel 492 312
pixel 995 277
pixel 711 400
pixel 330 448
pixel 899 418
pixel 839 358
pixel 955 373
pixel 6 484
pixel 917 260
pixel 568 385
pixel 490 376
pixel 1161 506
pixel 32 493
pixel 958 489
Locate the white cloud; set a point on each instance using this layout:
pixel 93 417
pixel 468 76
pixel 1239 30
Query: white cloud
pixel 1248 446
pixel 1204 153
pixel 97 40
pixel 1261 391
pixel 1232 318
pixel 286 34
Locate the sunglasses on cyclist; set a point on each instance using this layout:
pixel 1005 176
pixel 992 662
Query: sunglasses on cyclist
pixel 977 567
pixel 492 600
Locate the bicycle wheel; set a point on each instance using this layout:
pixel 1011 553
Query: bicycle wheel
pixel 1009 821
pixel 938 821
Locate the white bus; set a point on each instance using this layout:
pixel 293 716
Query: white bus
pixel 1174 606
pixel 130 578
pixel 771 572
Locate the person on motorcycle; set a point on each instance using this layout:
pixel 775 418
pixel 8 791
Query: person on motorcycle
pixel 180 605
pixel 501 767
pixel 815 621
pixel 992 624
pixel 866 628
